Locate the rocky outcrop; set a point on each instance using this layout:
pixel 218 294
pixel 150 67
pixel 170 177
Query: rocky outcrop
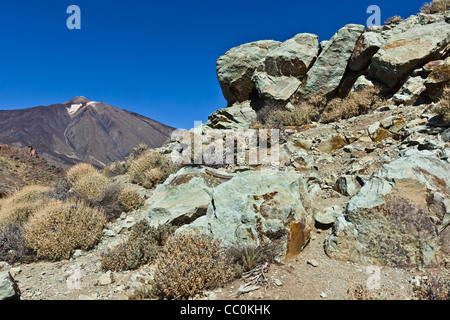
pixel 235 69
pixel 280 72
pixel 405 51
pixel 239 115
pixel 327 72
pixel 400 217
pixel 9 290
pixel 438 78
pixel 366 47
pixel 247 208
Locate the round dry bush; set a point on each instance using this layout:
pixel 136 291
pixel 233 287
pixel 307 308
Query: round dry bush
pixel 141 247
pixel 188 264
pixel 17 207
pixel 60 228
pixel 79 171
pixel 130 198
pixel 150 169
pixel 91 187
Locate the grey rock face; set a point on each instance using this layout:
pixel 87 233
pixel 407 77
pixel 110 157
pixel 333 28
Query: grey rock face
pixel 246 208
pixel 400 217
pixel 326 74
pixel 279 74
pixel 239 115
pixel 367 45
pixel 236 67
pixel 405 51
pixel 9 290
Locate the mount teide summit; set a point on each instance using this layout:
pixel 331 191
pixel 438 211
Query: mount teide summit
pixel 80 130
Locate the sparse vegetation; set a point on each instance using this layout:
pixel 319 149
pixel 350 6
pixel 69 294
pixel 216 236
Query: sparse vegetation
pixel 91 187
pixel 150 169
pixel 55 231
pixel 20 205
pixel 393 20
pixel 130 198
pixel 141 247
pixel 247 258
pixel 435 6
pixel 188 264
pixel 434 288
pixel 355 104
pixel 315 108
pixel 12 245
pixel 443 107
pixel 79 171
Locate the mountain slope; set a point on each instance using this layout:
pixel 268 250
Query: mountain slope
pixel 80 130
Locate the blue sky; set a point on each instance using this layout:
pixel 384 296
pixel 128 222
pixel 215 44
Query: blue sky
pixel 156 58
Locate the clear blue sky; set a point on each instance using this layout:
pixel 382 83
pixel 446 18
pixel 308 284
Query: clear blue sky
pixel 156 58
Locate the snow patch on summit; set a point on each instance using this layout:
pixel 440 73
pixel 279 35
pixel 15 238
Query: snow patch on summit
pixel 74 108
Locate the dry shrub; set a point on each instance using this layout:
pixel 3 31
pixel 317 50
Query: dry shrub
pixel 150 169
pixel 20 205
pixel 79 171
pixel 361 292
pixel 60 228
pixel 355 104
pixel 246 258
pixel 302 113
pixel 109 201
pixel 115 169
pixel 12 245
pixel 141 247
pixel 443 106
pixel 436 6
pixel 130 198
pixel 188 264
pixel 434 288
pixel 393 20
pixel 60 190
pixel 91 187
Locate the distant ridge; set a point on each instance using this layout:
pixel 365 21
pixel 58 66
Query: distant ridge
pixel 80 130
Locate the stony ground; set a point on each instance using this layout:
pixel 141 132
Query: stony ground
pixel 310 275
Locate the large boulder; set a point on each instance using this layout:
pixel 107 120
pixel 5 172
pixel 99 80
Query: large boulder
pixel 292 58
pixel 9 290
pixel 247 208
pixel 271 88
pixel 236 67
pixel 403 52
pixel 399 218
pixel 327 72
pixel 279 74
